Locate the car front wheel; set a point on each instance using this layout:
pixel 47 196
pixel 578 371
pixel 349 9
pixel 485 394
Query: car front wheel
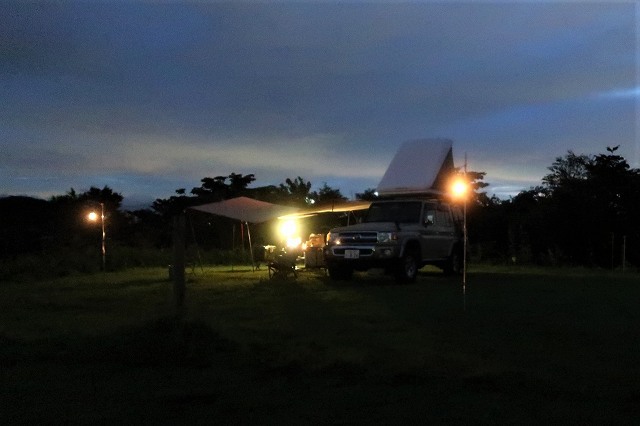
pixel 407 268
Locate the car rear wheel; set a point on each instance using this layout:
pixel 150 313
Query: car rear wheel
pixel 454 264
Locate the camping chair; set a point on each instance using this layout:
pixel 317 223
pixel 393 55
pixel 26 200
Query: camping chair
pixel 282 265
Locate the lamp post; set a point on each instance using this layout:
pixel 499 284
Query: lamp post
pixel 460 188
pixel 93 216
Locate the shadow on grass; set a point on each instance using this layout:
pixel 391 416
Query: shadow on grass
pixel 163 343
pixel 544 350
pixel 375 278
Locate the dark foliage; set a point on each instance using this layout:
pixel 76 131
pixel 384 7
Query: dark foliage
pixel 25 224
pixel 54 236
pixel 585 213
pixel 369 194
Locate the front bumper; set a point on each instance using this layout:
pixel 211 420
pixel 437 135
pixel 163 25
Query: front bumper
pixel 361 256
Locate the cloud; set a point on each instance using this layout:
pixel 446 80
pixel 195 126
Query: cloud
pixel 326 90
pixel 626 93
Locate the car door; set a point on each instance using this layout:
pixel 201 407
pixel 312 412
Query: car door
pixel 445 231
pixel 429 232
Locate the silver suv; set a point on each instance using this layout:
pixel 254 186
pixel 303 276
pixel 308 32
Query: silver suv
pixel 401 236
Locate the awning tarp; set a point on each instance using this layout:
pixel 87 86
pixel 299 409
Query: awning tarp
pixel 335 207
pixel 246 209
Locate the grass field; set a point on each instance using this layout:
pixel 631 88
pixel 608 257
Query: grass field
pixel 523 346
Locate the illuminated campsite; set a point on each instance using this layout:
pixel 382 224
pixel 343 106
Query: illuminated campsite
pixel 319 213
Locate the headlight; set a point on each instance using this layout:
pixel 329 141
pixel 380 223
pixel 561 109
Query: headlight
pixel 387 237
pixel 333 238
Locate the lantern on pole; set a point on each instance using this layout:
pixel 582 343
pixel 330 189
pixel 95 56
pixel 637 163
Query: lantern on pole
pixel 460 190
pixel 93 217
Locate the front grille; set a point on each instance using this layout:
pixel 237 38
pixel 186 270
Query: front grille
pixel 358 237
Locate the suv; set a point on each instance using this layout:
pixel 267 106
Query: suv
pixel 401 236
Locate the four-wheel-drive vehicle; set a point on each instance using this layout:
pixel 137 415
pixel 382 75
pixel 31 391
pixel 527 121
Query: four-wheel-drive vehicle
pixel 401 236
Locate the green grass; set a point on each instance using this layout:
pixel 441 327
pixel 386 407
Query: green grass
pixel 522 346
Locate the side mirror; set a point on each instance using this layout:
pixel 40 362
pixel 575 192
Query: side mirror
pixel 428 221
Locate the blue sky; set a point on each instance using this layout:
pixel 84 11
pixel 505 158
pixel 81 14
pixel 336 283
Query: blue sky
pixel 149 97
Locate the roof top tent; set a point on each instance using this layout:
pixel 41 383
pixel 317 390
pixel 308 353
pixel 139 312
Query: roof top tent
pixel 421 167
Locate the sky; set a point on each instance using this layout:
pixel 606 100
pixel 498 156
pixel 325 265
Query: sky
pixel 150 97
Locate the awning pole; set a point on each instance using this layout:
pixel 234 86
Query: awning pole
pixel 253 268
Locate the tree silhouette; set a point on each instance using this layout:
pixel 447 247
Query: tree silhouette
pixel 327 194
pixel 296 190
pixel 369 194
pixel 585 204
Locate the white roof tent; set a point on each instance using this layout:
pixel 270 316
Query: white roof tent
pixel 420 167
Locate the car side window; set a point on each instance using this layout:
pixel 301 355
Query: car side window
pixel 444 216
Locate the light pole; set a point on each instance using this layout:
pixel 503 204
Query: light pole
pixel 93 216
pixel 460 189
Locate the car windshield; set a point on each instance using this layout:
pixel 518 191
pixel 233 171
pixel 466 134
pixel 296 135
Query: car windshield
pixel 401 212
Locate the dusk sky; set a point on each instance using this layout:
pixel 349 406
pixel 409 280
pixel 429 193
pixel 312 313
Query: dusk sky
pixel 151 97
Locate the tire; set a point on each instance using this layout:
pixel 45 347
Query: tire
pixel 340 273
pixel 407 268
pixel 454 263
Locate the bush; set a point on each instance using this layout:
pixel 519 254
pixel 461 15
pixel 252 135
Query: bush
pixel 65 261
